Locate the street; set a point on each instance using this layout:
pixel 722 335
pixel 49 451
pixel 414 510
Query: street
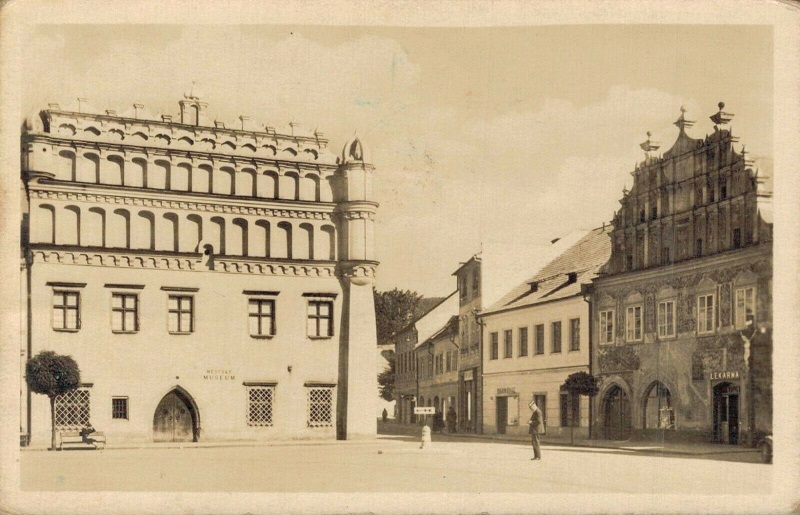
pixel 389 464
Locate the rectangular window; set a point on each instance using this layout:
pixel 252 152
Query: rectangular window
pixel 698 247
pixel 181 314
pixel 523 341
pixel 607 326
pixel 570 410
pixel 476 282
pixel 454 357
pixel 556 336
pixel 119 408
pixel 72 410
pixel 575 334
pixel 124 312
pixel 320 318
pixel 745 307
pixel 66 312
pixel 494 344
pixel 259 405
pixel 261 317
pixel 320 407
pixel 666 319
pixel 705 314
pixel 462 289
pixel 633 323
pixel 540 339
pixel 507 345
pixel 666 256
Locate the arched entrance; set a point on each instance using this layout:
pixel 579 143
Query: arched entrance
pixel 617 414
pixel 175 419
pixel 658 411
pixel 726 413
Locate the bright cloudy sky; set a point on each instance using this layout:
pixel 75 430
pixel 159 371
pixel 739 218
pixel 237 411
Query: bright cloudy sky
pixel 520 133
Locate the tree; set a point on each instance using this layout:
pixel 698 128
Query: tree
pixel 577 384
pixel 394 309
pixel 52 374
pixel 386 380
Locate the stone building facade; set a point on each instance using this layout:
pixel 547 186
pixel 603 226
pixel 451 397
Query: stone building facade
pixel 682 311
pixel 211 282
pixel 469 279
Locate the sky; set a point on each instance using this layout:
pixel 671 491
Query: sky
pixel 519 134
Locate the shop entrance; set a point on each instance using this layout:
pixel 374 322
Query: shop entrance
pixel 726 413
pixel 502 414
pixel 175 419
pixel 617 414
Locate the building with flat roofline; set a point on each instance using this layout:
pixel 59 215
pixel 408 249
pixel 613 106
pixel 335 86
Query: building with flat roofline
pixel 213 281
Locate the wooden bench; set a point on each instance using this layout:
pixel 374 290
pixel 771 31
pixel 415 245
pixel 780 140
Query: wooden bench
pixel 95 439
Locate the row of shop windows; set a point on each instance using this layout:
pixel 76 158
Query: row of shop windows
pixel 745 307
pixel 539 340
pixel 73 409
pixel 181 314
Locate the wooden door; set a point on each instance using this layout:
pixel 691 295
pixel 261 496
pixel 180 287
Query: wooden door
pixel 502 414
pixel 172 421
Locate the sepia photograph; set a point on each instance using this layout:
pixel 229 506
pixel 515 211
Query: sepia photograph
pixel 398 257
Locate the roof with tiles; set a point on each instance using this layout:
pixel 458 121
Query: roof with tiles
pixel 562 277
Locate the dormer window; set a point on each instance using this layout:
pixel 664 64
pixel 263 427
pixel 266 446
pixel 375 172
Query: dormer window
pixel 534 286
pixel 572 277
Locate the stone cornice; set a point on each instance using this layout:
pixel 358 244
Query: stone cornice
pixel 747 255
pixel 146 259
pixel 186 201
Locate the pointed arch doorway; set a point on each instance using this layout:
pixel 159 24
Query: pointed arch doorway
pixel 175 418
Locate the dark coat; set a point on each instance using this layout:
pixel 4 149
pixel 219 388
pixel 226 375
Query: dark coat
pixel 536 426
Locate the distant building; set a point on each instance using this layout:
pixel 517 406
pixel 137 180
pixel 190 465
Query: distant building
pixel 682 312
pixel 212 282
pixel 537 335
pixel 437 365
pixel 407 381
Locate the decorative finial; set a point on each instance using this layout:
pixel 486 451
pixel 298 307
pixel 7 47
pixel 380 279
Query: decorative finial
pixel 682 122
pixel 649 146
pixel 721 118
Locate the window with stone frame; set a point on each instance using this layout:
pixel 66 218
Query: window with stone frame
pixel 119 408
pixel 556 337
pixel 705 313
pixel 73 410
pixel 66 310
pixel 523 341
pixel 666 319
pixel 745 307
pixel 575 334
pixel 320 406
pixel 607 326
pixel 261 317
pixel 260 405
pixel 320 318
pixel 539 339
pixel 124 312
pixel 508 350
pixel 494 345
pixel 181 314
pixel 633 323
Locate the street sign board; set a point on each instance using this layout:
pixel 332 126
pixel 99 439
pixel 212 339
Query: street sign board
pixel 425 411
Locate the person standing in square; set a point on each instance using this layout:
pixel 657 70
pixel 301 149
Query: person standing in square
pixel 535 427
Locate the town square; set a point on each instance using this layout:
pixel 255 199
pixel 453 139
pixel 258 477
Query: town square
pixel 407 258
